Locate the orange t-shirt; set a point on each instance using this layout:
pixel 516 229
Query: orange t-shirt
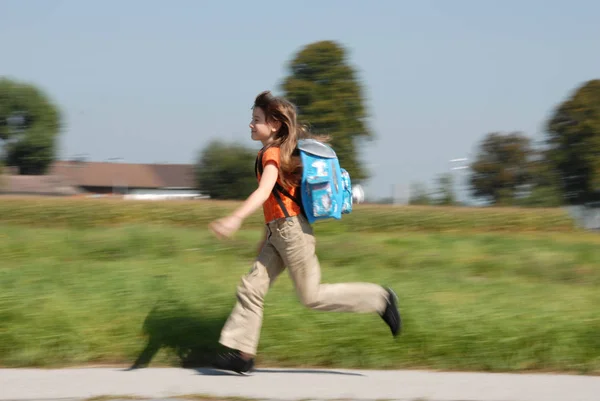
pixel 271 207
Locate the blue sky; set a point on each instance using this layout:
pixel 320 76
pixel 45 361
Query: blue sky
pixel 154 81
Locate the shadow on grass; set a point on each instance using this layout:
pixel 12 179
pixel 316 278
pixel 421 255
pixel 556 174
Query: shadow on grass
pixel 191 335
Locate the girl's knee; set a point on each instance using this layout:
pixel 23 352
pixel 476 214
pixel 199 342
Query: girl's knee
pixel 253 285
pixel 308 299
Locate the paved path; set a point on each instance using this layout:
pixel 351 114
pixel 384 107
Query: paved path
pixel 294 384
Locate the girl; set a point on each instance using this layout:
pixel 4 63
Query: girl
pixel 288 242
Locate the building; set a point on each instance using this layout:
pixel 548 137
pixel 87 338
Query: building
pixel 128 180
pixel 12 183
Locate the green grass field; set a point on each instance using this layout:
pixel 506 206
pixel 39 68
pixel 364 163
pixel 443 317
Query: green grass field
pixel 86 213
pixel 158 293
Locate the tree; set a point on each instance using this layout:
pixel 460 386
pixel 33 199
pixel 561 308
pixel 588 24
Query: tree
pixel 543 189
pixel 418 194
pixel 29 126
pixel 226 171
pixel 573 136
pixel 502 167
pixel 445 192
pixel 330 101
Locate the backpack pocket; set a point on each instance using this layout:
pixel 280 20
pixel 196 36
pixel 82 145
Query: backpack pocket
pixel 318 189
pixel 346 192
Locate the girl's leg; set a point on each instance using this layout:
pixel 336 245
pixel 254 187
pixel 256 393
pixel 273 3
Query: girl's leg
pixel 295 242
pixel 242 329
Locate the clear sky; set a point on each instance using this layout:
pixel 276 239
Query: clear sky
pixel 154 81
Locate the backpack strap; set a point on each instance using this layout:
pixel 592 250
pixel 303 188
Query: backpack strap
pixel 277 189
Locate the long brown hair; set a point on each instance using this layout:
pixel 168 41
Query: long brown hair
pixel 282 110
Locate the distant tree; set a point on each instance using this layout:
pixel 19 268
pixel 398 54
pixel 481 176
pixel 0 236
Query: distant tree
pixel 330 100
pixel 419 194
pixel 29 127
pixel 387 200
pixel 543 189
pixel 444 195
pixel 502 167
pixel 226 171
pixel 573 135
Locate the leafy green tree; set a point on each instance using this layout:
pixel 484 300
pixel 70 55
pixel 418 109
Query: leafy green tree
pixel 29 127
pixel 573 135
pixel 226 171
pixel 330 100
pixel 502 167
pixel 544 189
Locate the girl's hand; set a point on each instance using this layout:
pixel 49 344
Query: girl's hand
pixel 226 227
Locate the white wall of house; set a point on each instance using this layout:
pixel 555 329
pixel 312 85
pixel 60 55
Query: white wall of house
pixel 164 194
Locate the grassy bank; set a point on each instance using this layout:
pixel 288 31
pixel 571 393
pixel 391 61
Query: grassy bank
pixel 159 294
pixel 82 213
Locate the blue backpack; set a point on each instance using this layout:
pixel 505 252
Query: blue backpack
pixel 325 187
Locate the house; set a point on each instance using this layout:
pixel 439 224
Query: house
pixel 130 180
pixel 12 183
pixel 127 180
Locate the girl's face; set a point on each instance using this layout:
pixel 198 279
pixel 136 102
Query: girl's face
pixel 260 129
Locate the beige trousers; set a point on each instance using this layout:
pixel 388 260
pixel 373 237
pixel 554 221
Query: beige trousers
pixel 291 243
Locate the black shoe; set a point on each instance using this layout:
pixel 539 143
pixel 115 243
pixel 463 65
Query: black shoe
pixel 233 361
pixel 391 315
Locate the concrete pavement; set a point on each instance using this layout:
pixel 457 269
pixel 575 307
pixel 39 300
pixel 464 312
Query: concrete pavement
pixel 294 384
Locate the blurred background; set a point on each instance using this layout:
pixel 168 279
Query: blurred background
pixel 467 123
pixel 411 91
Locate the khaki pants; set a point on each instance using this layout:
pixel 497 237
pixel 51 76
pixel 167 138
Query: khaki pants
pixel 290 243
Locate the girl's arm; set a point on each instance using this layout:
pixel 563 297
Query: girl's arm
pixel 261 194
pixel 229 225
